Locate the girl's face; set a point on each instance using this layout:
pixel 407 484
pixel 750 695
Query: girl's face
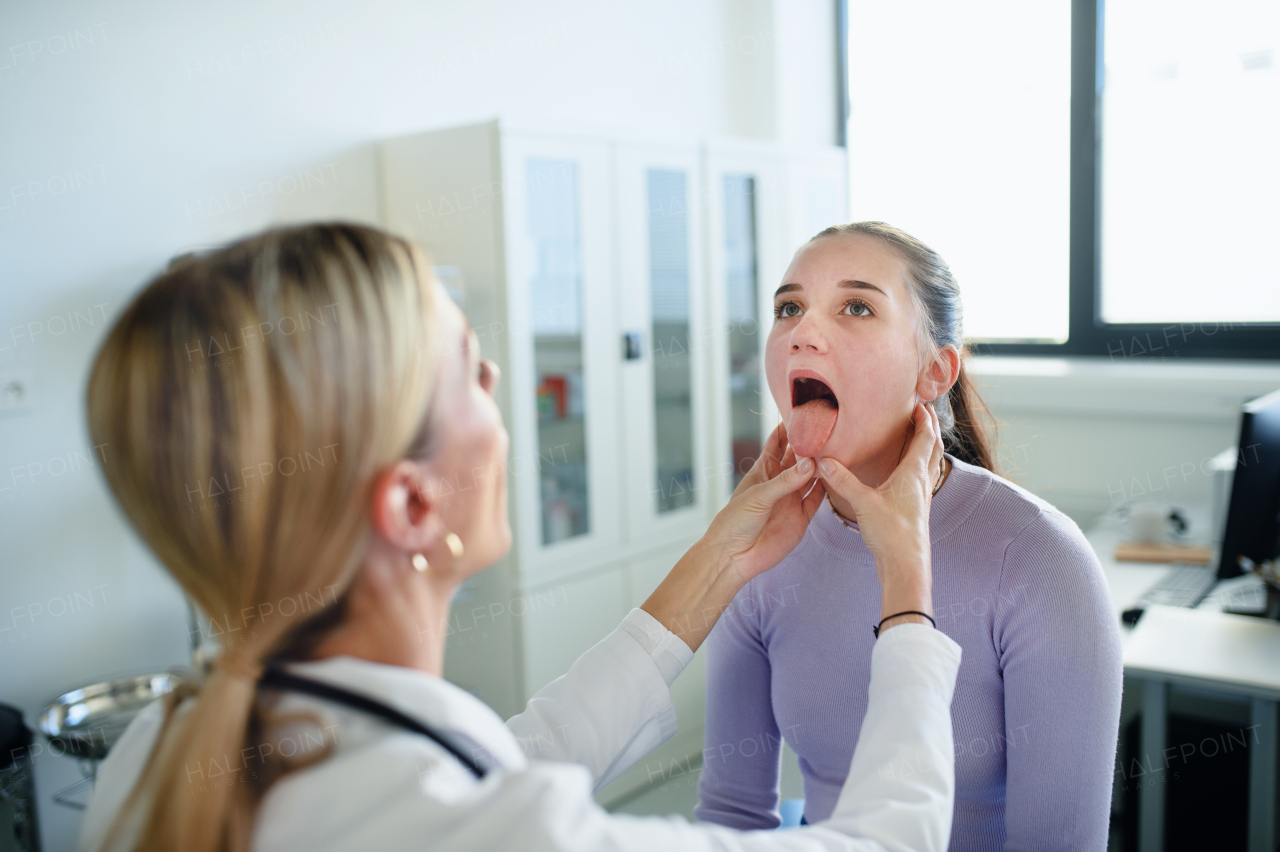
pixel 841 359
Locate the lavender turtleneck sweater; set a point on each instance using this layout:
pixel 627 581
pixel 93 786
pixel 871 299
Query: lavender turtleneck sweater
pixel 1037 704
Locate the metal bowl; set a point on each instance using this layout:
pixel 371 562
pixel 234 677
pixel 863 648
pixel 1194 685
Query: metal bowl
pixel 87 722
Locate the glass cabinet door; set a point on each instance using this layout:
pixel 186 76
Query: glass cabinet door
pixel 558 328
pixel 668 203
pixel 744 329
pixel 660 305
pixel 555 291
pixel 747 215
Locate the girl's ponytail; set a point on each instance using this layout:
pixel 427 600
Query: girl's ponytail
pixel 968 439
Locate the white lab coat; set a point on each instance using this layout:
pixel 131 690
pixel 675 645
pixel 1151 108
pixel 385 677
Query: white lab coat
pixel 390 789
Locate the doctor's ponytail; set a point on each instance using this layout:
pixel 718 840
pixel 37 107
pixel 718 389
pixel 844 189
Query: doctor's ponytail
pixel 965 420
pixel 245 401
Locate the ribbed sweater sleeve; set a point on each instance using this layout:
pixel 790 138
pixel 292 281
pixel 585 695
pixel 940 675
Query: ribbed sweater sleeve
pixel 1059 647
pixel 742 751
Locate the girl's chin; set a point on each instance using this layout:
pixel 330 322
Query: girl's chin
pixel 842 451
pixel 851 459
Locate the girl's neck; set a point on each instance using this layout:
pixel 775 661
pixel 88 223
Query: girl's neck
pixel 872 477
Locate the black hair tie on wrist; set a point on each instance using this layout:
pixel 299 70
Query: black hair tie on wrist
pixel 876 629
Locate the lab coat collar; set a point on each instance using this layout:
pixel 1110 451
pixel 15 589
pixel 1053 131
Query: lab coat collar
pixel 452 712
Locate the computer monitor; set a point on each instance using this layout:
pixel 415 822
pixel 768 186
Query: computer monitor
pixel 1252 528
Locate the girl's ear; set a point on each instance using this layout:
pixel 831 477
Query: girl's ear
pixel 940 374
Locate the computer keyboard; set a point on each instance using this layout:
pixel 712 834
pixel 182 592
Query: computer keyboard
pixel 1184 585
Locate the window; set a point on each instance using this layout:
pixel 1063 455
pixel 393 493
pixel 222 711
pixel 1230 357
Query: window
pixel 1111 197
pixel 1191 162
pixel 960 135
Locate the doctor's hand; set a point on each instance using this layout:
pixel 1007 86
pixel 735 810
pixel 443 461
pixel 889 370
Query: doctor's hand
pixel 764 520
pixel 769 511
pixel 893 518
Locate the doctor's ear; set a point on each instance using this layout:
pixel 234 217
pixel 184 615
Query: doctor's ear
pixel 937 377
pixel 404 509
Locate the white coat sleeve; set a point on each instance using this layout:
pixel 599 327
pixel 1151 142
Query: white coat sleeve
pixel 899 794
pixel 612 707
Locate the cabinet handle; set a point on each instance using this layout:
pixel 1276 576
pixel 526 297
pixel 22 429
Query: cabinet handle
pixel 631 346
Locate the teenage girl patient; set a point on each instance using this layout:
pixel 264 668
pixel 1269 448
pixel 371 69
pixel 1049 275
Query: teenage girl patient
pixel 867 324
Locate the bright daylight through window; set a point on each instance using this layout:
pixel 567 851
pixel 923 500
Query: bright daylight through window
pixel 1191 161
pixel 959 134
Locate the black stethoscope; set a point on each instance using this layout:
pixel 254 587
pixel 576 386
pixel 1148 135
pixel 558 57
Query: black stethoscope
pixel 279 679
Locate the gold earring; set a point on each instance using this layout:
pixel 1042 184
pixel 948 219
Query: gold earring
pixel 454 544
pixel 419 562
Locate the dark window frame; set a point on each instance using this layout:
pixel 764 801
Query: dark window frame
pixel 1088 335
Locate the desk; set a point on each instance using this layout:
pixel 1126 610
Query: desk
pixel 1233 654
pixel 1236 654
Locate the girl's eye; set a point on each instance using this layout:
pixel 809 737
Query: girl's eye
pixel 784 310
pixel 858 308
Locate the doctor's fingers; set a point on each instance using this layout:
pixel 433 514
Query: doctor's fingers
pixel 917 470
pixel 939 448
pixel 926 444
pixel 921 454
pixel 763 496
pixel 839 480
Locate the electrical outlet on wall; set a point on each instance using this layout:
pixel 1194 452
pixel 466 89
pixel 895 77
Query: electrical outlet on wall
pixel 15 392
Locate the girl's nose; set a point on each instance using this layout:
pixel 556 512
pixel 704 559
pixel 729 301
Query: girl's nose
pixel 807 335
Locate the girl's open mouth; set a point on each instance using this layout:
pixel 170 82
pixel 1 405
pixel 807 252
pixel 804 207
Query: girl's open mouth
pixel 814 409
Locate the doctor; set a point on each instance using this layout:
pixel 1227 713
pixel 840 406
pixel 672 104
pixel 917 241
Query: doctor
pixel 358 459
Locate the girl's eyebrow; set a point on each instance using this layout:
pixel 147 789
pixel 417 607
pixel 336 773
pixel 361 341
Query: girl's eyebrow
pixel 847 285
pixel 861 285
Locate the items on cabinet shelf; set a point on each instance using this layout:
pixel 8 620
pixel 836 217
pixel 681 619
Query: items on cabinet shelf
pixel 552 397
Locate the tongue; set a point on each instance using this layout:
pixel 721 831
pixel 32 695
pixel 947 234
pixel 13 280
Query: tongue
pixel 810 426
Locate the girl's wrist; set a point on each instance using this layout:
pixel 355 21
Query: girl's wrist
pixel 893 608
pixel 908 573
pixel 903 595
pixel 894 619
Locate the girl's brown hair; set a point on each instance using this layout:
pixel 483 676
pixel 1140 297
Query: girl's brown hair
pixel 248 398
pixel 965 420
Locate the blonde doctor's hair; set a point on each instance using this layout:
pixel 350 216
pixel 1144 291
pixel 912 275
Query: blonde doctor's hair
pixel 311 343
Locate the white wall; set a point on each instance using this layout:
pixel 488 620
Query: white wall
pixel 134 131
pixel 1090 434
